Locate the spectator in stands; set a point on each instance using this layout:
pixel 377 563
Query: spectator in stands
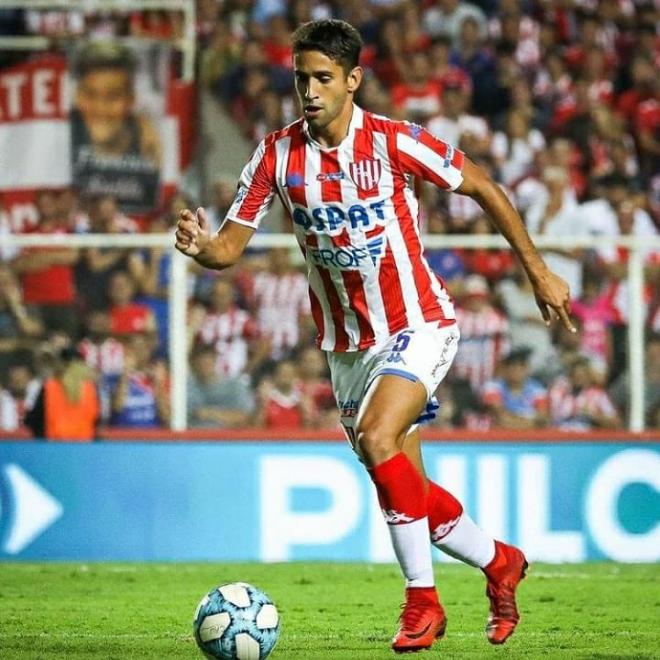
pixel 567 349
pixel 127 316
pixel 104 355
pixel 252 59
pixel 142 397
pixel 280 302
pixel 631 220
pixel 484 334
pixel 552 213
pixel 520 33
pixel 231 331
pixel 454 124
pixel 20 324
pixel 471 55
pixel 153 282
pixel 317 389
pixel 515 148
pixel 620 389
pixel 526 326
pixel 445 262
pixel 445 17
pixel 281 401
pixel 460 407
pixel 493 264
pixel 223 192
pixel 47 273
pixel 579 403
pixel 595 314
pixel 215 401
pixel 417 97
pixel 67 406
pixel 515 400
pixel 219 56
pixel 277 42
pixel 98 265
pixel 72 210
pixel 18 393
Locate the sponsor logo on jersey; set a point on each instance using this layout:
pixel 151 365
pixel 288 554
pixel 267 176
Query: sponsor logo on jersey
pixel 348 257
pixel 330 176
pixel 332 219
pixel 366 173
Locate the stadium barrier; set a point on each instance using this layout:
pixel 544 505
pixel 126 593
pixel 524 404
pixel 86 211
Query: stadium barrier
pixel 285 501
pixel 638 246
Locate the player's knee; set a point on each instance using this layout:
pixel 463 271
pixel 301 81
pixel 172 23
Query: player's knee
pixel 376 441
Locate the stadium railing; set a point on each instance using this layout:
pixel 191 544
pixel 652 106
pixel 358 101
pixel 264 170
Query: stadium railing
pixel 178 358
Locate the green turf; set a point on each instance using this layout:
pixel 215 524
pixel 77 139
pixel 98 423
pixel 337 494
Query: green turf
pixel 338 611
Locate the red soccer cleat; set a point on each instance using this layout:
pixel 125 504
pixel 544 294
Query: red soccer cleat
pixel 421 622
pixel 504 573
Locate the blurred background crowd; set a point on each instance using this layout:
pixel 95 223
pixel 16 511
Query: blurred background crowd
pixel 558 100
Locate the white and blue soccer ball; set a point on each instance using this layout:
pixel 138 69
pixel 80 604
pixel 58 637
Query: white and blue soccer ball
pixel 236 622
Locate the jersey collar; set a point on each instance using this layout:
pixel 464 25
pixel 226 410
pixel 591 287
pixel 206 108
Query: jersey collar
pixel 357 121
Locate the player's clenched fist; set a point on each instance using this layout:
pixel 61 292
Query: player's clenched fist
pixel 192 232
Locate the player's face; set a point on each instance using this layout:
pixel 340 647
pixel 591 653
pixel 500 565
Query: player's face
pixel 324 90
pixel 105 100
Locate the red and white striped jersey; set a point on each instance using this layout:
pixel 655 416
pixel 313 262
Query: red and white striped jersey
pixel 484 340
pixel 229 333
pixel 279 303
pixel 571 409
pixel 355 219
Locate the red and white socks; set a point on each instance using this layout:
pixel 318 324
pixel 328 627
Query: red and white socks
pixel 454 532
pixel 403 499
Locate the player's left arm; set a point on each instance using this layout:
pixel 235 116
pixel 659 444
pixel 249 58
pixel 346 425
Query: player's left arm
pixel 551 291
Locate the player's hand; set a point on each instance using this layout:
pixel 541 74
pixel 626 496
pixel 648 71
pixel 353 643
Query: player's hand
pixel 192 233
pixel 552 295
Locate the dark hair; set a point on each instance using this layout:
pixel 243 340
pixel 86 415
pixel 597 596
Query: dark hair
pixel 336 39
pixel 97 55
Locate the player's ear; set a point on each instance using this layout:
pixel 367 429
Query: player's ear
pixel 354 78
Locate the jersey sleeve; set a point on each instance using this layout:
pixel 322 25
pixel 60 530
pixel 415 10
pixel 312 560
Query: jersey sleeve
pixel 424 155
pixel 256 188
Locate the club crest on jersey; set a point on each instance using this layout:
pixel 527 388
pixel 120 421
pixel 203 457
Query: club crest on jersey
pixel 366 173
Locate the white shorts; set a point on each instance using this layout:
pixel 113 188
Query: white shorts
pixel 421 354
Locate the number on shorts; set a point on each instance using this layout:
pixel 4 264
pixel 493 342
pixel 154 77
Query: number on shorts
pixel 402 341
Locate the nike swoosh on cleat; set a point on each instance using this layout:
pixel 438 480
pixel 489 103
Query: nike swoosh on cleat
pixel 418 634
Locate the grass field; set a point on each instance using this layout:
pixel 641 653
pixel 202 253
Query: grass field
pixel 338 611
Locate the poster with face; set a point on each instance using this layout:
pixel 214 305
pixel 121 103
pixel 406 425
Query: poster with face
pixel 117 104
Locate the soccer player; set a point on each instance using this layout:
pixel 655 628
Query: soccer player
pixel 385 321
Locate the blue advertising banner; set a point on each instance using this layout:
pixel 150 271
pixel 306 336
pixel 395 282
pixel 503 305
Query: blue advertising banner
pixel 296 501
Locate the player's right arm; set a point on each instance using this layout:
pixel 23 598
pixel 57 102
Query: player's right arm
pixel 256 189
pixel 219 251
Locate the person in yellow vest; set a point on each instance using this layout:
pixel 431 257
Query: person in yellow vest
pixel 67 408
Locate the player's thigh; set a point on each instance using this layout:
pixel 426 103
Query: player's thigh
pixel 390 407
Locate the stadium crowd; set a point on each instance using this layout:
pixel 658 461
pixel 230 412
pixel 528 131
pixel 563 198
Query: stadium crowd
pixel 559 100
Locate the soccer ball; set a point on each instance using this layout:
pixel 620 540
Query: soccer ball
pixel 236 622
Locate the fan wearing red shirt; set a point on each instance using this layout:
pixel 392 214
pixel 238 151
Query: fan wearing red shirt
pixel 282 400
pixel 127 317
pixel 46 273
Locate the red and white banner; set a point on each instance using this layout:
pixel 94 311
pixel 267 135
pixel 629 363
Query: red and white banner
pixel 39 138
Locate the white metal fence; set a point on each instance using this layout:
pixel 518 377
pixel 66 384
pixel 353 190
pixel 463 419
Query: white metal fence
pixel 637 246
